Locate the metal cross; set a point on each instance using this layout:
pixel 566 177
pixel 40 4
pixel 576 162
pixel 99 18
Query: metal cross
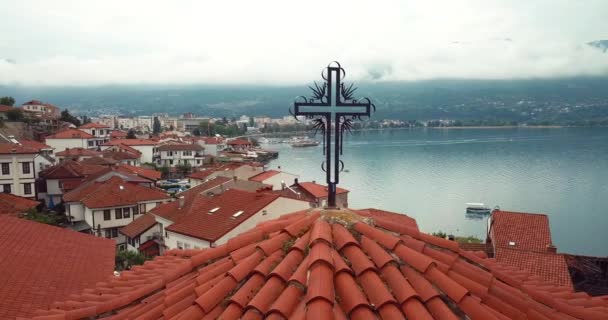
pixel 332 104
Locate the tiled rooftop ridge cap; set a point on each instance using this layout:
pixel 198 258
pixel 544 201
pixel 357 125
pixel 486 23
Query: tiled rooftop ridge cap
pixel 323 264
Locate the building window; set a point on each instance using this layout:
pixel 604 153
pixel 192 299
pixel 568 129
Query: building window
pixel 126 212
pixel 6 169
pixel 91 143
pixel 198 161
pixel 142 208
pixel 118 213
pixel 187 153
pixel 170 153
pixel 135 210
pixel 108 234
pixel 107 215
pixel 26 167
pixel 27 188
pixel 114 232
pixel 180 245
pixel 6 188
pixel 186 246
pixel 170 161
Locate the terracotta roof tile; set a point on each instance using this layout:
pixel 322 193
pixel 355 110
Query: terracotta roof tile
pixel 303 270
pixel 93 125
pixel 13 205
pixel 11 148
pixel 146 173
pixel 77 152
pixel 318 190
pixel 239 142
pixel 138 226
pixel 113 192
pixel 131 142
pixel 71 169
pixel 70 134
pixel 41 264
pixel 34 144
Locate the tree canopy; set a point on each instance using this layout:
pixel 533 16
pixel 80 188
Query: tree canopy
pixel 7 101
pixel 156 127
pixel 131 134
pixel 67 117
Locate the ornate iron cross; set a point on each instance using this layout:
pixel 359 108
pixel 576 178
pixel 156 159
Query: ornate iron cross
pixel 332 105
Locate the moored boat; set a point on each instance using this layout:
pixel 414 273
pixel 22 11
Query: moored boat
pixel 478 208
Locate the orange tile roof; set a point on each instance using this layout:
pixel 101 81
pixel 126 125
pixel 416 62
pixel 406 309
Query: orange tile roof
pixel 34 144
pixel 78 152
pixel 70 134
pixel 264 175
pixel 71 169
pixel 318 190
pixel 146 173
pixel 239 142
pixel 531 236
pixel 118 134
pixel 112 193
pixel 326 264
pixel 139 226
pixel 201 175
pixel 180 147
pixel 5 108
pixel 12 204
pixel 40 264
pixel 11 148
pixel 93 125
pixel 131 142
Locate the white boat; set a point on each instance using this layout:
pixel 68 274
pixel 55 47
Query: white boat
pixel 480 208
pixel 251 154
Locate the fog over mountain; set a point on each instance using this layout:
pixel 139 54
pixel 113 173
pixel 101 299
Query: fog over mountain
pixel 50 43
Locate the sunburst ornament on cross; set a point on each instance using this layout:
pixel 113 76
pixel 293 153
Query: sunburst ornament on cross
pixel 332 105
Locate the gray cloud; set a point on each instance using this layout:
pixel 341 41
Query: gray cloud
pixel 277 42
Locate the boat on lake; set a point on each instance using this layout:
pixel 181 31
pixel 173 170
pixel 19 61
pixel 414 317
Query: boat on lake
pixel 478 208
pixel 305 143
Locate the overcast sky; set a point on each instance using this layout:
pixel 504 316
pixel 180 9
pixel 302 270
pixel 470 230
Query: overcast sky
pixel 283 42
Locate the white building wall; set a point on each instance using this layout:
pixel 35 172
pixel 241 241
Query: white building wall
pixel 15 177
pixel 274 210
pixel 76 210
pixel 172 238
pixel 62 144
pixel 143 237
pixel 276 180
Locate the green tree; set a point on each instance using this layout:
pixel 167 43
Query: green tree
pixel 251 122
pixel 7 101
pixel 184 168
pixel 86 120
pixel 196 132
pixel 14 115
pixel 125 259
pixel 164 171
pixel 156 126
pixel 131 134
pixel 67 117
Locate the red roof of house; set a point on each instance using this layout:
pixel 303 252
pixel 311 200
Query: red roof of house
pixel 531 235
pixel 139 226
pixel 146 173
pixel 11 148
pixel 78 152
pixel 330 264
pixel 112 193
pixel 71 169
pixel 211 140
pixel 131 142
pixel 118 134
pixel 5 108
pixel 180 147
pixel 93 125
pixel 12 204
pixel 318 190
pixel 264 175
pixel 197 223
pixel 34 144
pixel 70 134
pixel 201 175
pixel 41 264
pixel 241 142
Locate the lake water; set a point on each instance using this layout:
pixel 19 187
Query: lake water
pixel 430 174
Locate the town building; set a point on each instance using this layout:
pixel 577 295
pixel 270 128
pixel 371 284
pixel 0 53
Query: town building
pixel 200 221
pixel 98 130
pixel 41 109
pixel 76 154
pixel 316 194
pixel 64 177
pixel 172 155
pixel 240 171
pixel 42 264
pixel 332 264
pixel 4 110
pixel 523 240
pixel 13 205
pixel 277 179
pixel 240 145
pixel 45 158
pixel 122 154
pixel 17 170
pixel 72 138
pixel 213 145
pixel 108 205
pixel 146 147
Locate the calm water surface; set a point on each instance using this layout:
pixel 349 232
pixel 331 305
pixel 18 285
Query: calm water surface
pixel 431 174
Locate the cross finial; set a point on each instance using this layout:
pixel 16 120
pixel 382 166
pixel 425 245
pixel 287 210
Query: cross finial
pixel 332 104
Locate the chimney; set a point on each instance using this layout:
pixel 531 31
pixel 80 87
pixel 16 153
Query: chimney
pixel 451 237
pixel 551 248
pixel 314 182
pixel 295 181
pixel 283 185
pixel 234 178
pixel 181 200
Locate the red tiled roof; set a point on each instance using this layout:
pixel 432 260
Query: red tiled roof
pixel 264 175
pixel 113 192
pixel 41 264
pixel 131 142
pixel 78 152
pixel 70 134
pixel 5 108
pixel 12 204
pixel 239 142
pixel 326 264
pixel 201 175
pixel 118 134
pixel 93 125
pixel 180 147
pixel 146 173
pixel 211 140
pixel 71 169
pixel 33 144
pixel 11 148
pixel 531 236
pixel 138 226
pixel 318 190
pixel 196 222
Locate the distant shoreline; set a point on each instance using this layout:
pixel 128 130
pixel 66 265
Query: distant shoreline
pixel 500 127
